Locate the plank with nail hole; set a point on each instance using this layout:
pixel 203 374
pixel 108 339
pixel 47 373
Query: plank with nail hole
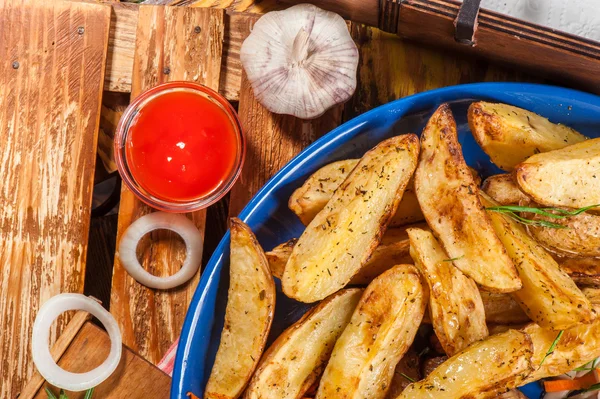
pixel 167 39
pixel 52 58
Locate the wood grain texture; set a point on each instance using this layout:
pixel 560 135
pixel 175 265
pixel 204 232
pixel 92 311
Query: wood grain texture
pixel 121 47
pixel 272 141
pixel 53 55
pixel 167 40
pixel 58 349
pixel 133 378
pixel 122 43
pixel 410 68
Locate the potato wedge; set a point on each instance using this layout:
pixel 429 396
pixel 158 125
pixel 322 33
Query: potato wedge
pixel 298 356
pixel 248 316
pixel 593 294
pixel 455 305
pixel 341 238
pixel 510 135
pixel 392 250
pixel 448 197
pixel 313 195
pixel 485 368
pixel 569 177
pixel 279 256
pixel 502 309
pixel 381 330
pixel 549 296
pixel 504 190
pixel 580 238
pixel 577 346
pixel 584 271
pixel 317 190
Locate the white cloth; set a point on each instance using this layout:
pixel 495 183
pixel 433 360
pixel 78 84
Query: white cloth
pixel 578 17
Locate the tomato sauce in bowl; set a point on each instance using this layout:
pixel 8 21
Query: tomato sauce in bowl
pixel 179 147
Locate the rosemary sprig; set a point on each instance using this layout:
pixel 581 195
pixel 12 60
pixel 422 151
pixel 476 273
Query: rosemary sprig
pixel 63 395
pixel 592 388
pixel 453 259
pixel 50 394
pixel 586 368
pixel 554 213
pixel 89 393
pixel 407 377
pixel 553 346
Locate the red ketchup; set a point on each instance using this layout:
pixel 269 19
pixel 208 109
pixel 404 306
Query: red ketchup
pixel 182 146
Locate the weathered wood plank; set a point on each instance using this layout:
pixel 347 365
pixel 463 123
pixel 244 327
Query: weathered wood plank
pixel 53 56
pixel 272 141
pixel 151 320
pixel 133 378
pixel 122 48
pixel 411 68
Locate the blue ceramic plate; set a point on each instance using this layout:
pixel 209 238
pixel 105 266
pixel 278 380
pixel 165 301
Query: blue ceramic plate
pixel 273 223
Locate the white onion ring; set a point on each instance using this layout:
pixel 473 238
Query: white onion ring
pixel 40 343
pixel 154 221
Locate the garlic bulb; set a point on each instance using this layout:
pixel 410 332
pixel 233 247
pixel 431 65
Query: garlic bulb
pixel 300 61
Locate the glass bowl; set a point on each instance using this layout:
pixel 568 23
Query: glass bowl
pixel 122 136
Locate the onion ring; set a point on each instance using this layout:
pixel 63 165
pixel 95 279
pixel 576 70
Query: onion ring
pixel 40 343
pixel 161 220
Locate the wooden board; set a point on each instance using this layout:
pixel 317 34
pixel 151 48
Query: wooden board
pixel 122 46
pixel 412 68
pixel 167 40
pixel 133 378
pixel 53 55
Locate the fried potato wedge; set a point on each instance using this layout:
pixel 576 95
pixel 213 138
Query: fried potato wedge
pixel 313 195
pixel 579 238
pixel 504 190
pixel 317 190
pixel 577 346
pixel 381 330
pixel 448 197
pixel 569 177
pixel 279 256
pixel 584 271
pixel 248 316
pixel 510 135
pixel 298 356
pixel 502 309
pixel 484 368
pixel 455 306
pixel 593 294
pixel 549 296
pixel 341 238
pixel 392 250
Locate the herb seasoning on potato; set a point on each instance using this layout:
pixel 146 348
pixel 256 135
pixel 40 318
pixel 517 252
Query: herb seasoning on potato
pixel 448 197
pixel 382 328
pixel 248 316
pixel 342 237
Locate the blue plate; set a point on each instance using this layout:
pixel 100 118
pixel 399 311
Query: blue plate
pixel 273 223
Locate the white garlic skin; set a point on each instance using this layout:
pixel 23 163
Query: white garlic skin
pixel 300 61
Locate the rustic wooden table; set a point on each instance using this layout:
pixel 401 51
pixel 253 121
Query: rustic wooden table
pixel 147 45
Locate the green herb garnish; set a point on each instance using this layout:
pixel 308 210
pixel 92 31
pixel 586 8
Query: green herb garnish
pixel 553 346
pixel 50 394
pixel 594 387
pixel 407 377
pixel 511 211
pixel 585 366
pixel 453 259
pixel 63 395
